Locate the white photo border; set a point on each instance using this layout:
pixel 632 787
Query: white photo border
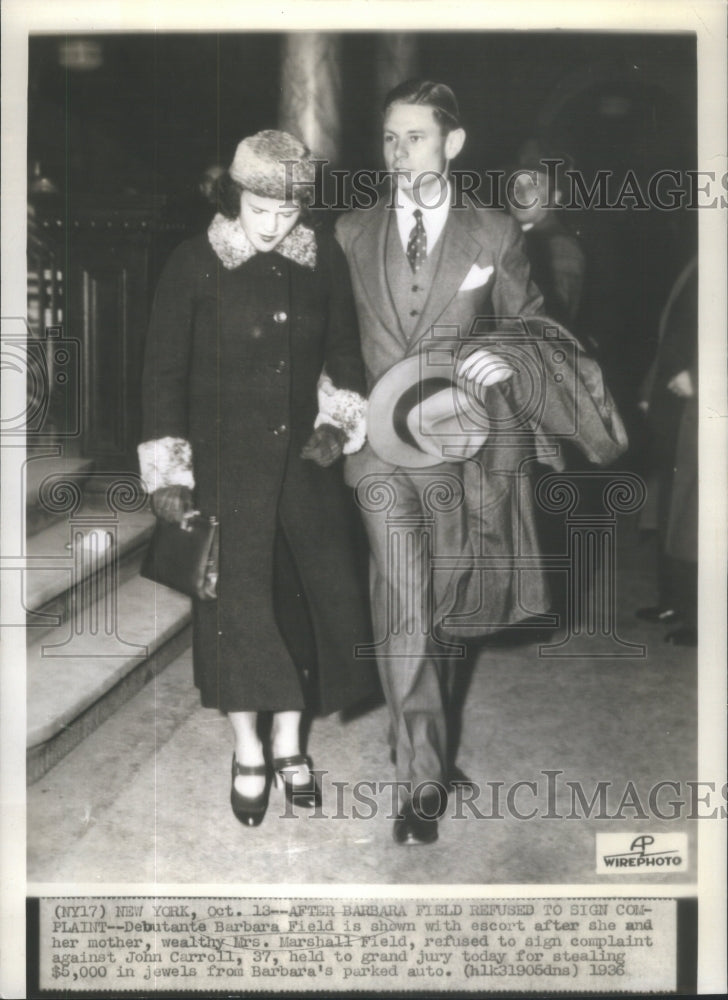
pixel 707 20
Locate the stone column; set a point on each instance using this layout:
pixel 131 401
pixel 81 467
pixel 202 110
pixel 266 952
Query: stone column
pixel 310 105
pixel 397 59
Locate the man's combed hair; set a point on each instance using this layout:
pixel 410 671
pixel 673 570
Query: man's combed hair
pixel 437 96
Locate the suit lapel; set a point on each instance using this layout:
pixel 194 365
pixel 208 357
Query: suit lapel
pixel 368 251
pixel 458 254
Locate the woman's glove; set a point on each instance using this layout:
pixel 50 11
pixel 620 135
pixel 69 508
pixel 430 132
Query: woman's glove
pixel 325 445
pixel 171 503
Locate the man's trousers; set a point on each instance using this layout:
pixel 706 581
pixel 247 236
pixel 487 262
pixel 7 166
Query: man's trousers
pixel 413 517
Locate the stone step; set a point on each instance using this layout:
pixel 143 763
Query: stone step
pixel 64 562
pixel 71 468
pixel 82 671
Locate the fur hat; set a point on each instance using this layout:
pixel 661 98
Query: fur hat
pixel 275 164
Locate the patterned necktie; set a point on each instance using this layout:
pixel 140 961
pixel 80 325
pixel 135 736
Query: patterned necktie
pixel 417 243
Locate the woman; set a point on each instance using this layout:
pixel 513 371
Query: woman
pixel 245 318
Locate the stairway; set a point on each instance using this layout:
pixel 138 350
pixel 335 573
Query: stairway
pixel 97 631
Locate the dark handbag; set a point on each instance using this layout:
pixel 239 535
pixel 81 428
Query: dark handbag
pixel 185 556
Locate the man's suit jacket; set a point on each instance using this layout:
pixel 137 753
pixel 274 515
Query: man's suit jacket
pixel 484 244
pixel 484 274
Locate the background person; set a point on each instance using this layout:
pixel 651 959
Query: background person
pixel 557 260
pixel 670 402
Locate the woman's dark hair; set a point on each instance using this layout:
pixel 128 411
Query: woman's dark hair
pixel 228 199
pixel 228 196
pixel 437 96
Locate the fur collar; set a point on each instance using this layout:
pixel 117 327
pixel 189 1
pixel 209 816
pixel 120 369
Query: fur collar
pixel 228 240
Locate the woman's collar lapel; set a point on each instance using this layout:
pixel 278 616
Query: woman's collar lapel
pixel 227 238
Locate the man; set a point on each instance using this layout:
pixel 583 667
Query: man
pixel 556 258
pixel 421 264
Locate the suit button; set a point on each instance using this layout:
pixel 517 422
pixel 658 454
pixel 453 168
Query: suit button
pixel 280 430
pixel 415 288
pixel 280 316
pixel 414 312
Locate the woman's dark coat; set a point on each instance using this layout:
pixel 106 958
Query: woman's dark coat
pixel 233 360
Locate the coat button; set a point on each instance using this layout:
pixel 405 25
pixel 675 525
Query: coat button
pixel 279 430
pixel 280 316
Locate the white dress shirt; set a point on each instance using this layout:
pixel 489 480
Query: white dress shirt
pixel 433 219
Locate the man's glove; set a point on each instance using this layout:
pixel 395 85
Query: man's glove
pixel 171 503
pixel 325 445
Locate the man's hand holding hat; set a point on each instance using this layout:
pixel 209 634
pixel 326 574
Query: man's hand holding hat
pixel 485 368
pixel 420 414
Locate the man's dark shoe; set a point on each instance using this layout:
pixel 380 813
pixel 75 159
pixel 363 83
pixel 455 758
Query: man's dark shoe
pixel 685 636
pixel 457 777
pixel 416 826
pixel 664 616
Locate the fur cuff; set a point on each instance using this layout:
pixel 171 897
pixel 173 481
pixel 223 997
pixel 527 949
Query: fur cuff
pixel 344 409
pixel 167 462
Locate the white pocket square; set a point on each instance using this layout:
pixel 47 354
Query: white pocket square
pixel 476 277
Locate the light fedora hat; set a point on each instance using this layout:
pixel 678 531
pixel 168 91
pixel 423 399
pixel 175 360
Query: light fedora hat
pixel 420 414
